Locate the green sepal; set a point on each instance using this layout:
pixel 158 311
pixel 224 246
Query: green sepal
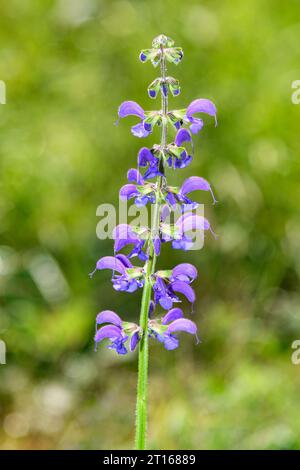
pixel 157 327
pixel 177 151
pixel 153 117
pixel 157 152
pixel 178 113
pixel 134 273
pixel 172 189
pixel 142 232
pixel 171 119
pixel 164 274
pixel 170 230
pixel 145 189
pixel 129 328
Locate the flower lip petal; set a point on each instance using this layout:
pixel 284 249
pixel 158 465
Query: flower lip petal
pixel 151 308
pixel 110 262
pixel 108 316
pixel 183 162
pixel 131 108
pixel 172 315
pixel 119 345
pixel 134 176
pixel 146 156
pixel 170 342
pixel 134 341
pixel 185 269
pixel 201 106
pixel 190 221
pixel 196 125
pixel 184 243
pixel 157 245
pixel 139 130
pixel 185 289
pixel 194 183
pixel 108 331
pixel 120 243
pixel 182 324
pixel 124 261
pixel 123 231
pixel 165 302
pixel 128 191
pixel 183 135
pixel 165 212
pixel 123 236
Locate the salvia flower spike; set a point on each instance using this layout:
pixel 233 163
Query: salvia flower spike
pixel 160 288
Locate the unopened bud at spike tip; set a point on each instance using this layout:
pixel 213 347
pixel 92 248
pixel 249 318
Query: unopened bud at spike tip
pixel 162 41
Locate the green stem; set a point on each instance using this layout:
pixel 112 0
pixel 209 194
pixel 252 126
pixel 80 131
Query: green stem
pixel 142 386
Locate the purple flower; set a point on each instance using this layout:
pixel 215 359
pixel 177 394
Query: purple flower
pixel 168 285
pixel 164 212
pixel 131 108
pixel 124 280
pixel 194 183
pixel 199 106
pixel 178 157
pixel 184 224
pixel 191 184
pixel 151 308
pixel 134 176
pixel 161 294
pixel 190 221
pixel 157 245
pixel 144 193
pixel 173 322
pixel 117 331
pixel 147 159
pixel 124 235
pixel 183 135
pixel 185 272
pixel 128 191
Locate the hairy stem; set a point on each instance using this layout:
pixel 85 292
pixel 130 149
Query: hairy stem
pixel 142 386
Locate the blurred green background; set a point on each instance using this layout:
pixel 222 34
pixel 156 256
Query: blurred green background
pixel 67 65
